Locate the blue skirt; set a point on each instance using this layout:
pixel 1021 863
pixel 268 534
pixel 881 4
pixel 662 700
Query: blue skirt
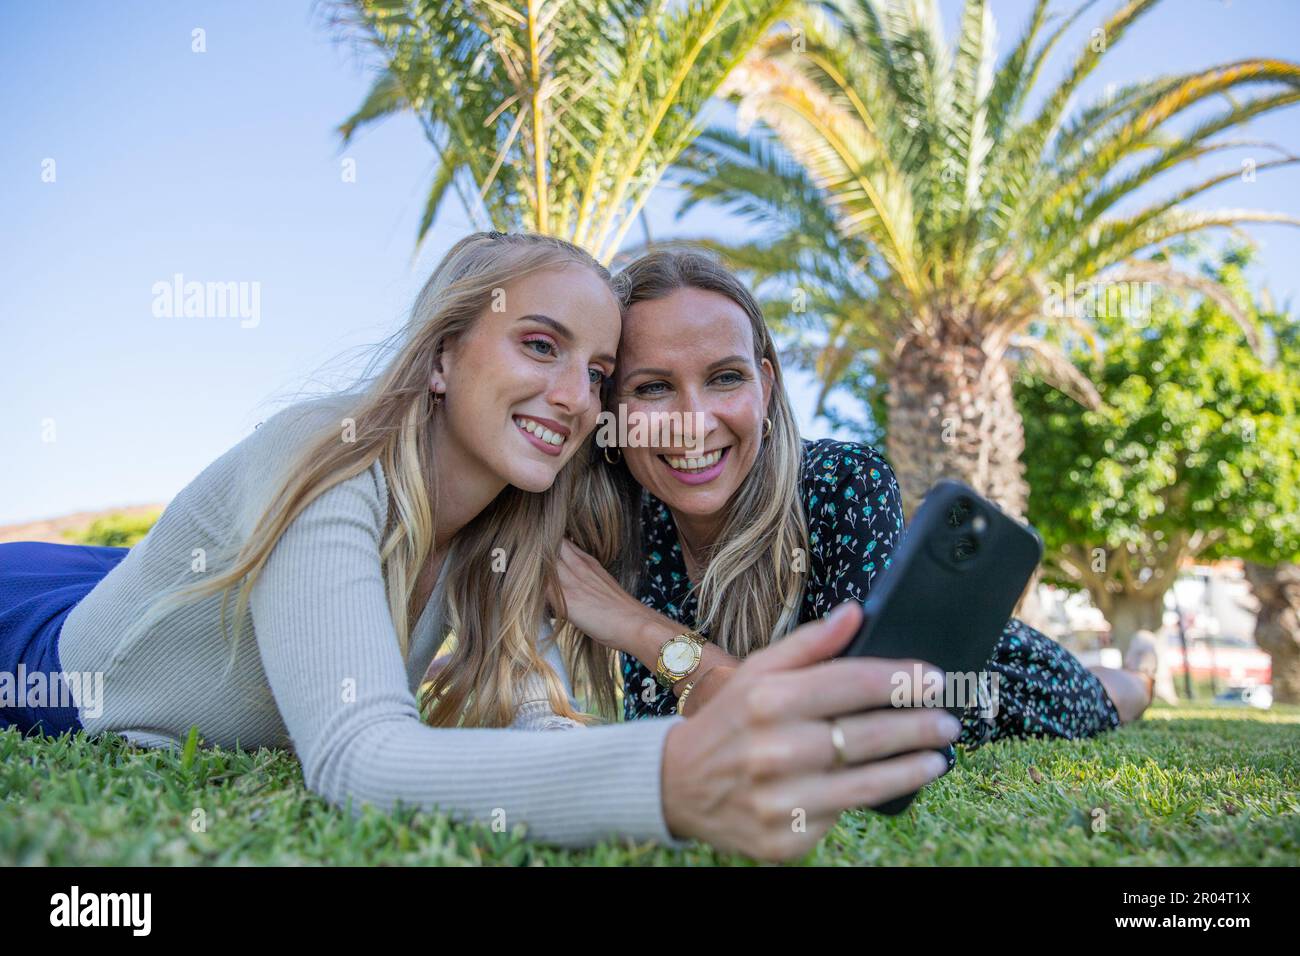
pixel 39 584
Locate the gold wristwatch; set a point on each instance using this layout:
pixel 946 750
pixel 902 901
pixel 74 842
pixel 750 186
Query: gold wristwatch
pixel 678 657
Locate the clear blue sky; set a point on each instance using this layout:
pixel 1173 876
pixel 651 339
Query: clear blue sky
pixel 224 166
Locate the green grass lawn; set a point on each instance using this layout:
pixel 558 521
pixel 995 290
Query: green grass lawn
pixel 1193 785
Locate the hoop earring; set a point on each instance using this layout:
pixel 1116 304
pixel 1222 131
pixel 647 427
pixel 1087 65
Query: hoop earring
pixel 437 399
pixel 767 427
pixel 615 460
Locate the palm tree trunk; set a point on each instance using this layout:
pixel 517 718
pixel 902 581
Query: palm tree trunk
pixel 1277 629
pixel 952 415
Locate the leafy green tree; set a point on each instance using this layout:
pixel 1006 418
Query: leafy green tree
pixel 942 201
pixel 1271 562
pixel 554 116
pixel 1192 453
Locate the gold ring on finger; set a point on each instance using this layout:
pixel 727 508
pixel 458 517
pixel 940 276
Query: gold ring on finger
pixel 837 742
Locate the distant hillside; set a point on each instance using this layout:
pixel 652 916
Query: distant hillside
pixel 52 529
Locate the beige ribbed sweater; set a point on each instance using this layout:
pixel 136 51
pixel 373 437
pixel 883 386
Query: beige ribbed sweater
pixel 319 670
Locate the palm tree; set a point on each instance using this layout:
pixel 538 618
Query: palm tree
pixel 554 116
pixel 938 225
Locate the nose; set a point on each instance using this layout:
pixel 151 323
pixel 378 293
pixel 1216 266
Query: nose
pixel 571 389
pixel 697 419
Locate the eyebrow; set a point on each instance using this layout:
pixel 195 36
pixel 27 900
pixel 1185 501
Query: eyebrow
pixel 561 330
pixel 667 373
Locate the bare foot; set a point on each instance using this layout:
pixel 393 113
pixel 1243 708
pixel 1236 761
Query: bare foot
pixel 1129 691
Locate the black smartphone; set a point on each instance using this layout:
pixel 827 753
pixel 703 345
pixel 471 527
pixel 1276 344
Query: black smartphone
pixel 947 596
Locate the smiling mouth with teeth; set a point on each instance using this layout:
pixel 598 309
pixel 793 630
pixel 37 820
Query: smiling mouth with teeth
pixel 539 431
pixel 694 463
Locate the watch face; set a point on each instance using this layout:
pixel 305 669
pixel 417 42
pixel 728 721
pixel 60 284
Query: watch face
pixel 679 655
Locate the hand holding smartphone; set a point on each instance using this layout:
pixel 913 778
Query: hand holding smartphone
pixel 948 593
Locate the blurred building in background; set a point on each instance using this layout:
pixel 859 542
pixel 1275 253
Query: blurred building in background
pixel 1214 647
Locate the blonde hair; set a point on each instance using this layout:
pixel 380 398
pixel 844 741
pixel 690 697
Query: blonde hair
pixel 494 615
pixel 752 585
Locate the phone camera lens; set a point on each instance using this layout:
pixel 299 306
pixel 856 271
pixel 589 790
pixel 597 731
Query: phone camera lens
pixel 964 548
pixel 959 512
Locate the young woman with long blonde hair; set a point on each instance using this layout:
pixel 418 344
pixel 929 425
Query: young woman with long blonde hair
pixel 294 594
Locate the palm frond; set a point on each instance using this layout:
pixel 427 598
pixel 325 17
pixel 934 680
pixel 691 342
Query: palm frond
pixel 1175 280
pixel 1055 368
pixel 564 116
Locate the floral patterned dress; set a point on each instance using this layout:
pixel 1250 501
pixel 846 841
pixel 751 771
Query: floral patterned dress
pixel 855 521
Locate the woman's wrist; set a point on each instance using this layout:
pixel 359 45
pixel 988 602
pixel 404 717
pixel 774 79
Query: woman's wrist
pixel 704 685
pixel 649 634
pixel 672 775
pixel 648 637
